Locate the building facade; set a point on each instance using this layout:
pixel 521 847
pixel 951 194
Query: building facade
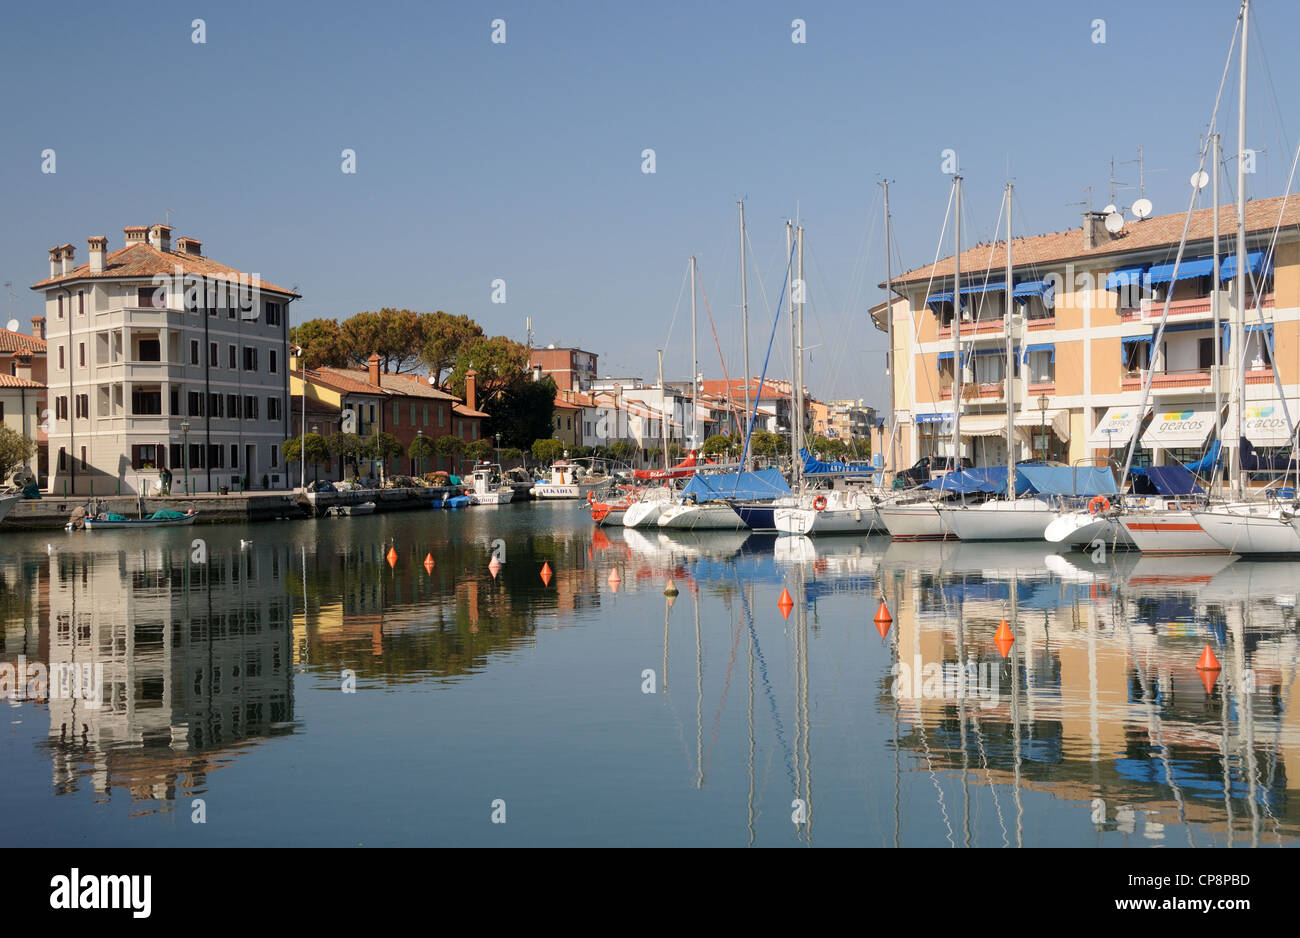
pixel 571 369
pixel 1086 307
pixel 159 357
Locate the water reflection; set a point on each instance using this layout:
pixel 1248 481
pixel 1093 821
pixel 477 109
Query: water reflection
pixel 776 728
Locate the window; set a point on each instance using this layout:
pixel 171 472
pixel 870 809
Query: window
pixel 83 459
pixel 250 407
pixel 81 310
pixel 442 416
pixel 275 455
pixel 273 411
pixel 397 414
pixel 61 362
pixel 232 406
pixel 234 456
pixel 250 358
pixel 81 354
pixel 144 456
pixel 230 311
pixel 61 408
pixel 216 405
pixel 1041 368
pixel 196 456
pixel 175 402
pixel 149 350
pixel 426 415
pixel 273 314
pixel 412 413
pixel 151 297
pixel 214 357
pixel 82 405
pixel 196 404
pixel 60 316
pixel 212 311
pixel 215 453
pixel 1205 354
pixel 274 362
pixel 146 400
pixel 231 358
pixel 63 459
pixel 1137 355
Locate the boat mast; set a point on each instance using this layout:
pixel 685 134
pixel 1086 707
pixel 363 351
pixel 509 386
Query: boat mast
pixel 798 371
pixel 695 365
pixel 889 318
pixel 744 317
pixel 1216 479
pixel 663 409
pixel 956 329
pixel 1007 384
pixel 1238 342
pixel 794 352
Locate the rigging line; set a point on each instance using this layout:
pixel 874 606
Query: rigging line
pixel 722 702
pixel 916 323
pixel 725 377
pixel 778 729
pixel 749 432
pixel 1262 58
pixel 680 292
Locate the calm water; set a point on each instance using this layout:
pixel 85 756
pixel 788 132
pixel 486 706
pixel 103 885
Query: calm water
pixel 223 676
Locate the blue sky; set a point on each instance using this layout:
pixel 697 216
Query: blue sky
pixel 522 160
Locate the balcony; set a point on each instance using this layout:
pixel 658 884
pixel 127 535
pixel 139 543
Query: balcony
pixel 985 326
pixel 1171 382
pixel 976 391
pixel 1036 325
pixel 1196 307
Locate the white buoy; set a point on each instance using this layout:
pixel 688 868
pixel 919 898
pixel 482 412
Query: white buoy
pixel 244 545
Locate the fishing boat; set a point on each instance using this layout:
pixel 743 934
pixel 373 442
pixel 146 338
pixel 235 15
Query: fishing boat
pixel 7 502
pixel 573 479
pixel 105 521
pixel 342 511
pixel 489 487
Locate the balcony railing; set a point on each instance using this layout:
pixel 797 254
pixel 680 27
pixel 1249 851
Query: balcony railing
pixel 975 391
pixel 1190 378
pixel 1152 310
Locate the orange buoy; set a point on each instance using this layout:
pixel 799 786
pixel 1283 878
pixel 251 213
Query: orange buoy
pixel 614 579
pixel 428 563
pixel 883 619
pixel 1003 639
pixel 1207 661
pixel 392 557
pixel 1208 679
pixel 670 588
pixel 494 567
pixel 785 603
pixel 546 574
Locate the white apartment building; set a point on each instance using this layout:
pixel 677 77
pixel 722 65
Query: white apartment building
pixel 161 357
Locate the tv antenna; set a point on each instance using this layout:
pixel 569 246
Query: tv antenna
pixel 1112 207
pixel 1087 202
pixel 1142 171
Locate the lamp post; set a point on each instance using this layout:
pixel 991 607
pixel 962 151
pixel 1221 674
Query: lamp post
pixel 1042 409
pixel 498 449
pixel 419 467
pixel 185 430
pixel 302 444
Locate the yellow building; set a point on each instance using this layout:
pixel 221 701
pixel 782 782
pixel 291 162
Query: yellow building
pixel 1087 304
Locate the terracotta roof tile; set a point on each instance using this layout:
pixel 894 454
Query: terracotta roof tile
pixel 1164 231
pixel 10 381
pixel 13 341
pixel 414 386
pixel 466 412
pixel 144 260
pixel 344 379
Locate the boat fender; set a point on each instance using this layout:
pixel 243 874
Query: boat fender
pixel 819 503
pixel 1100 504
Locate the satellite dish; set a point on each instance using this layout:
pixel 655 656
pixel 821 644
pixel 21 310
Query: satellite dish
pixel 1114 222
pixel 1200 180
pixel 12 325
pixel 1109 210
pixel 1142 208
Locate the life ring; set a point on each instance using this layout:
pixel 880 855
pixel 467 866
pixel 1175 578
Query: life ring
pixel 819 503
pixel 1099 505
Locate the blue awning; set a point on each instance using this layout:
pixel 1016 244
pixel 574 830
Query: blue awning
pixel 935 299
pixel 1041 288
pixel 996 286
pixel 765 483
pixel 1067 480
pixel 1049 347
pixel 1134 339
pixel 1187 270
pixel 1125 276
pixel 1266 328
pixel 1184 327
pixel 1254 263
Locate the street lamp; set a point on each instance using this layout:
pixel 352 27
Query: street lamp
pixel 498 449
pixel 1042 409
pixel 302 444
pixel 419 467
pixel 185 429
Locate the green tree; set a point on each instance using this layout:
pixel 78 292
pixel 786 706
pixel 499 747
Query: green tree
pixel 15 451
pixel 349 447
pixel 395 335
pixel 622 450
pixel 317 451
pixel 450 447
pixel 769 444
pixel 444 337
pixel 479 449
pixel 525 411
pixel 675 451
pixel 498 361
pixel 421 448
pixel 547 451
pixel 321 341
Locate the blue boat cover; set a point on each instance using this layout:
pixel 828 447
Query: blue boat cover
pixel 1206 462
pixel 1173 480
pixel 1070 480
pixel 765 483
pixel 812 467
pixel 991 480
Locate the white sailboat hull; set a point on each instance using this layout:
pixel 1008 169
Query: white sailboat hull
pixel 1024 519
pixel 644 514
pixel 915 521
pixel 1175 531
pixel 843 512
pixel 1241 530
pixel 1081 529
pixel 712 516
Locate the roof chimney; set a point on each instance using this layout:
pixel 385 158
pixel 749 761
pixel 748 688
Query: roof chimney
pixel 98 247
pixel 38 326
pixel 373 363
pixel 1094 230
pixel 471 389
pixel 56 261
pixel 135 234
pixel 189 246
pixel 67 254
pixel 160 238
pixel 23 363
